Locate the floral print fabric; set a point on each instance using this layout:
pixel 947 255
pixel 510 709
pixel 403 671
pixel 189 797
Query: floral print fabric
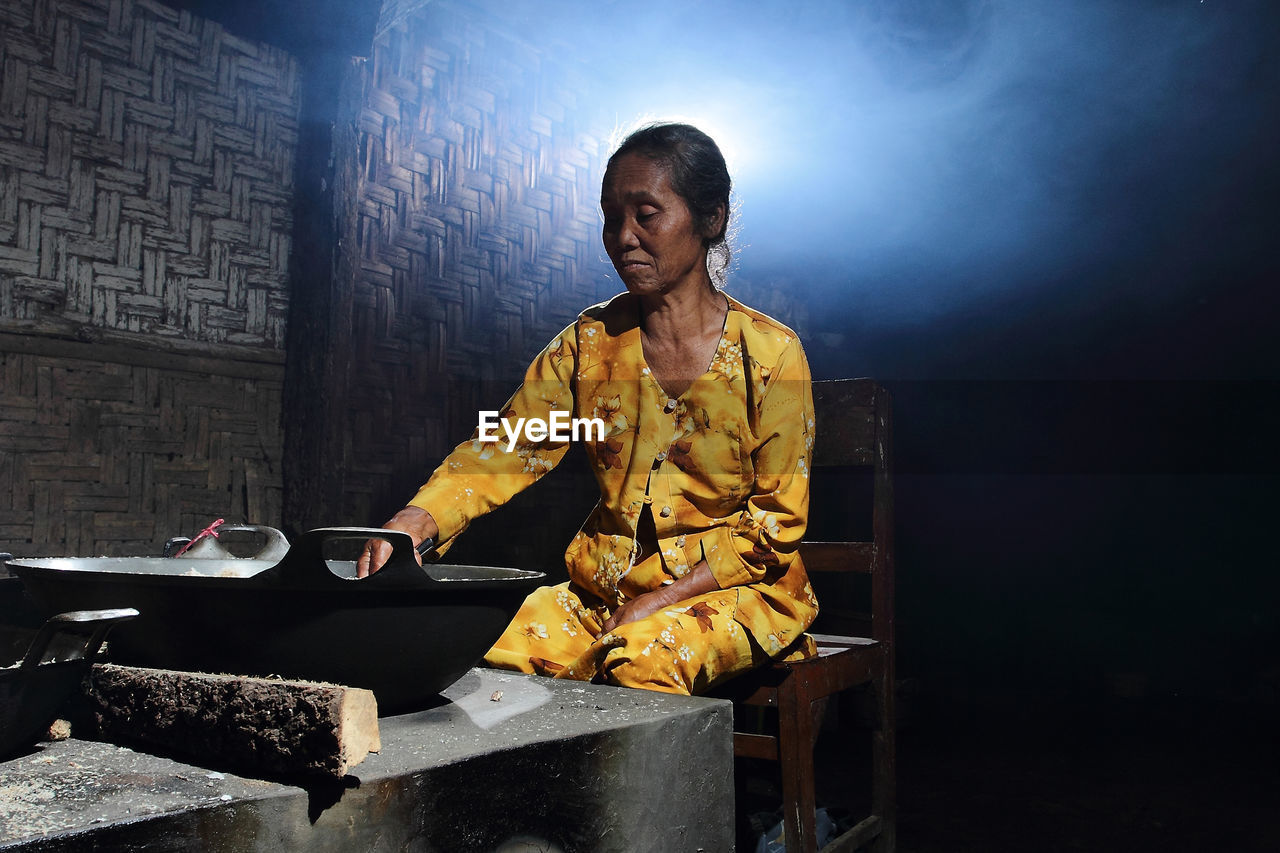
pixel 685 649
pixel 723 468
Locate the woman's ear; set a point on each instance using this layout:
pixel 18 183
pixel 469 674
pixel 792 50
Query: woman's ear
pixel 714 226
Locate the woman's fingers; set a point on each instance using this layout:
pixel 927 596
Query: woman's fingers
pixel 418 523
pixel 636 608
pixel 373 556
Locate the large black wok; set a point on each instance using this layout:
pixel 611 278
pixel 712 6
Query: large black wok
pixel 33 689
pixel 406 632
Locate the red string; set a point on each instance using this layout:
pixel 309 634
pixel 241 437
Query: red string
pixel 211 530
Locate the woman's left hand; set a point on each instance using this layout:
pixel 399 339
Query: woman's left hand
pixel 638 608
pixel 698 581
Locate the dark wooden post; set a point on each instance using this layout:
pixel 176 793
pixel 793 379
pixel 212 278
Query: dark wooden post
pixel 318 369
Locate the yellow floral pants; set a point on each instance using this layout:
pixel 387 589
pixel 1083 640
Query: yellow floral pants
pixel 684 649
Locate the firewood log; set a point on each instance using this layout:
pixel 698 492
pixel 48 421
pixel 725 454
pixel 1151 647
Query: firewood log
pixel 257 726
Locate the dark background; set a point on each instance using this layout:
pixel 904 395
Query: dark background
pixel 1049 228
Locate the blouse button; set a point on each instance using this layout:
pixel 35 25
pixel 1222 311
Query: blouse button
pixel 662 454
pixel 665 512
pixel 670 406
pixel 679 541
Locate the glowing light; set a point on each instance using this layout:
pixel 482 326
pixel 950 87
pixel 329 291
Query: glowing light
pixel 727 137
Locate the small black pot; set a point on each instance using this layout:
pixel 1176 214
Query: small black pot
pixel 35 688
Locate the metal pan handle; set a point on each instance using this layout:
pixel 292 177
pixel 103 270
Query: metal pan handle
pixel 274 546
pixel 305 565
pixel 92 625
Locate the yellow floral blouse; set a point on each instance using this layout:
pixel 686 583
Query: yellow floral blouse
pixel 724 467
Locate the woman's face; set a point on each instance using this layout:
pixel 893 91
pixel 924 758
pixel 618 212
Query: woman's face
pixel 649 231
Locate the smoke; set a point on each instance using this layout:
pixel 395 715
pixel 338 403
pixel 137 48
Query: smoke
pixel 925 158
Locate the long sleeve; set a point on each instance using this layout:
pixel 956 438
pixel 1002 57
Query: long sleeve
pixel 478 476
pixel 762 541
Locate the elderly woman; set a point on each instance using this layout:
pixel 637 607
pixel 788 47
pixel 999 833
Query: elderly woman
pixel 686 572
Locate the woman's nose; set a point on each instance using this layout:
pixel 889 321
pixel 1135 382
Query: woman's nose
pixel 627 238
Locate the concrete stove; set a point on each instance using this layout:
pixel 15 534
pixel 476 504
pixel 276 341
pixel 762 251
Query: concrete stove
pixel 509 762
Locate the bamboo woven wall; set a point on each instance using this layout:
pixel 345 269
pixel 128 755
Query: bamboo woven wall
pixel 108 450
pixel 146 166
pixel 477 236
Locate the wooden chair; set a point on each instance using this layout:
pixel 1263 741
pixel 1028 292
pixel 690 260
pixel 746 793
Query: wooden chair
pixel 853 432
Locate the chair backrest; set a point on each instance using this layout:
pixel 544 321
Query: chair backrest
pixel 854 433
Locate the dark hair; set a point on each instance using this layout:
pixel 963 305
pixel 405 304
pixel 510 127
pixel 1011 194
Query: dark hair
pixel 698 175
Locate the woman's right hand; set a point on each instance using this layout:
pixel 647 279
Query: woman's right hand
pixel 418 523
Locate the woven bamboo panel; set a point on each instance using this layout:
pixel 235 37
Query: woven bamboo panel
pixel 146 167
pixel 477 237
pixel 108 458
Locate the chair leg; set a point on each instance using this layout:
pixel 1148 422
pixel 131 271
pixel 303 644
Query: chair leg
pixel 884 764
pixel 795 757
